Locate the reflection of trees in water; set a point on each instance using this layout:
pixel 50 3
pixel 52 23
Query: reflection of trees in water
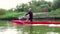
pixel 2 29
pixel 26 29
pixel 10 30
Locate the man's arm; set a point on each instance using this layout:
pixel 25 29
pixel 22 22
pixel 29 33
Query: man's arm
pixel 27 14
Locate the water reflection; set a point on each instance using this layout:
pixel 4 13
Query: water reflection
pixel 52 33
pixel 11 30
pixel 8 31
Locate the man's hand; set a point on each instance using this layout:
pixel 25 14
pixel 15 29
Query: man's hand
pixel 24 16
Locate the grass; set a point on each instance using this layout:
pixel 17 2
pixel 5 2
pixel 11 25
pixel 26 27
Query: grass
pixel 13 14
pixel 54 12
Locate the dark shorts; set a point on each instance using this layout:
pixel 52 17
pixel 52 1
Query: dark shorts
pixel 31 19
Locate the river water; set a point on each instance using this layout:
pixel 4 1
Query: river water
pixel 6 27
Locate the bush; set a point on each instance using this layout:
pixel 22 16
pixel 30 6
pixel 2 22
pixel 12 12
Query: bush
pixel 57 11
pixel 12 15
pixel 3 11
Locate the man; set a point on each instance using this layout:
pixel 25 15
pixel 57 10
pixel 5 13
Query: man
pixel 30 13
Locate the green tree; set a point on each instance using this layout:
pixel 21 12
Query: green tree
pixel 3 11
pixel 22 7
pixel 34 4
pixel 56 4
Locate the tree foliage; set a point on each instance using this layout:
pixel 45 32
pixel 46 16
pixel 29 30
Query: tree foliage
pixel 3 11
pixel 56 4
pixel 35 5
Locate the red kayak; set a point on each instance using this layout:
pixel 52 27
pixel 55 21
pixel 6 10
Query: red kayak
pixel 20 22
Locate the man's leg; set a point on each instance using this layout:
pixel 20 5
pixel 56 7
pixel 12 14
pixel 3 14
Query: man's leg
pixel 31 27
pixel 31 20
